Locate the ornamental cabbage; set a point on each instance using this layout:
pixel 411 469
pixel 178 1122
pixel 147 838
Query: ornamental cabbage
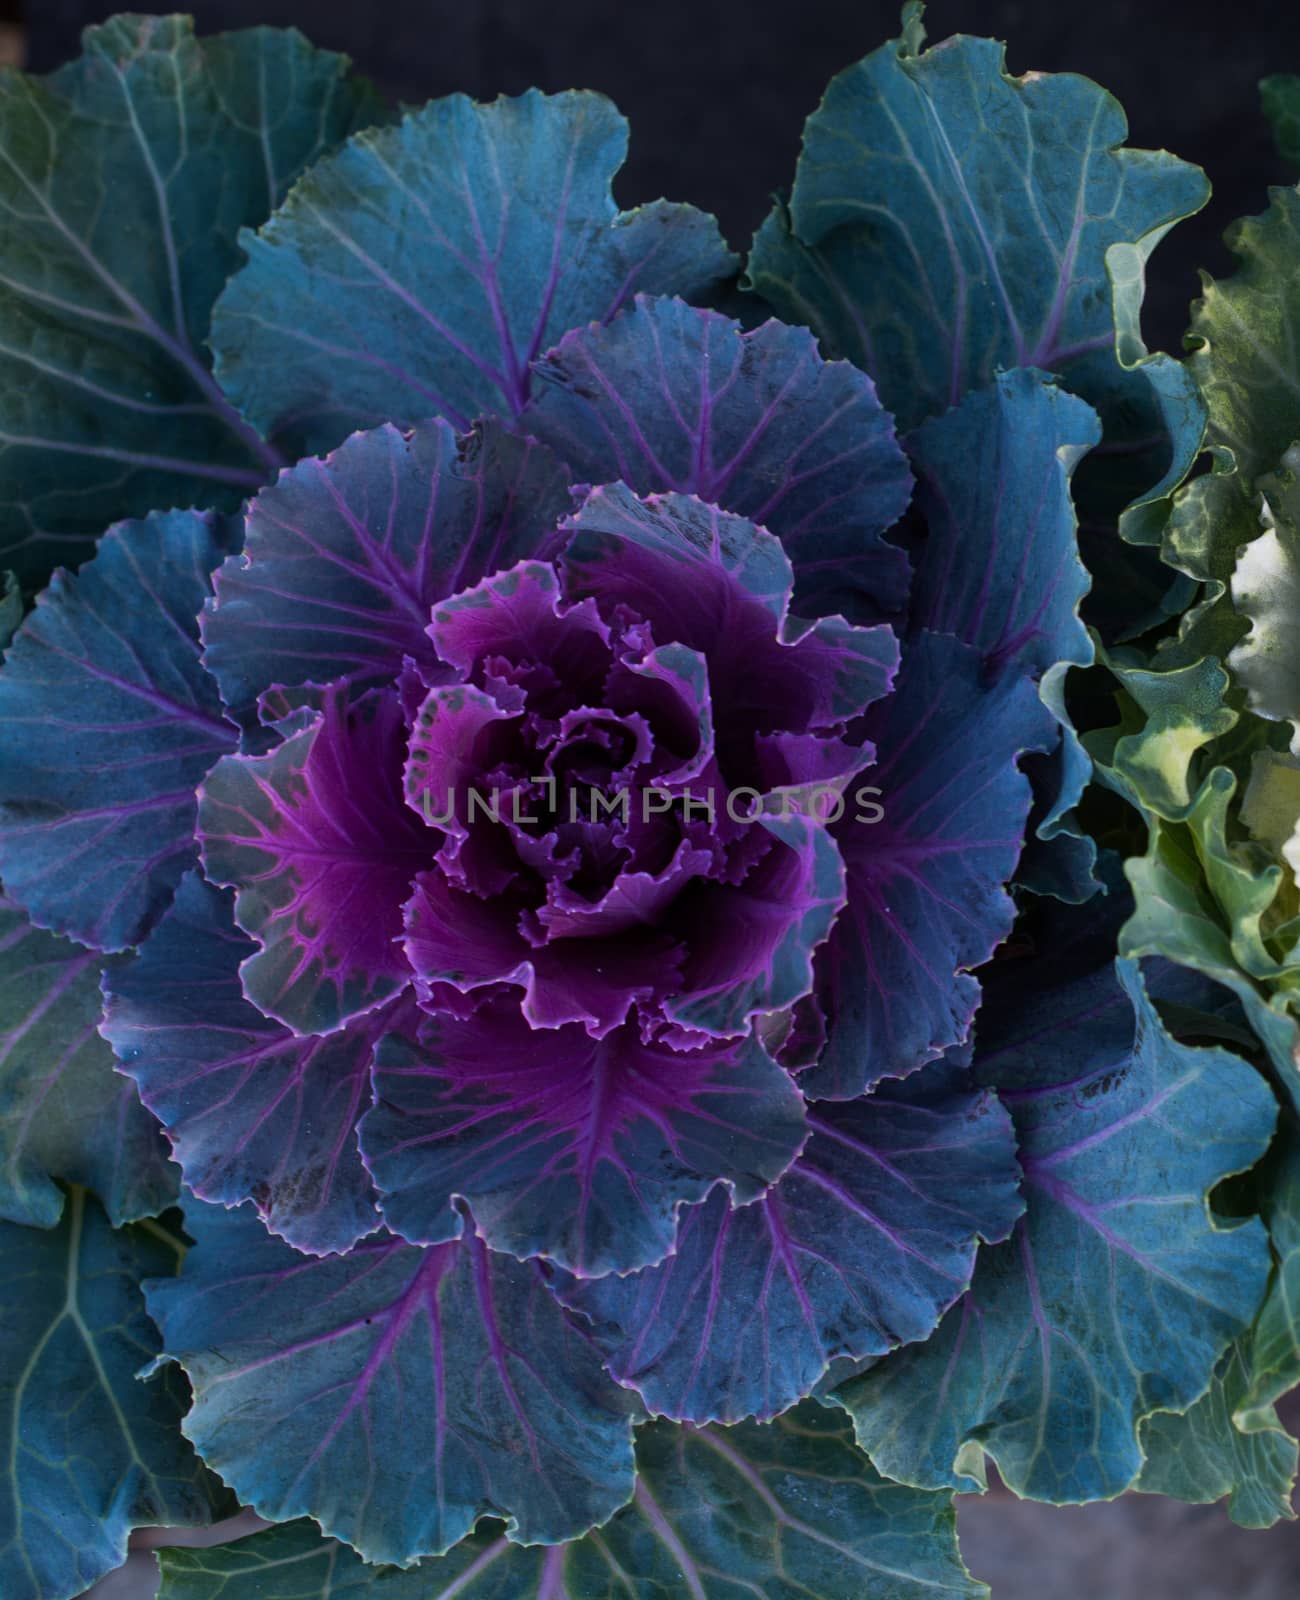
pixel 562 804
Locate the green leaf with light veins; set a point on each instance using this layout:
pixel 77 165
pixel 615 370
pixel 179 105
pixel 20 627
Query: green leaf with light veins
pixel 65 1113
pixel 1231 1441
pixel 124 180
pixel 1178 917
pixel 93 1451
pixel 1215 1451
pixel 1245 335
pixel 1275 1364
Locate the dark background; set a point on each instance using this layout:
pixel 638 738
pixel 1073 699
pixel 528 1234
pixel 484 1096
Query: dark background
pixel 717 92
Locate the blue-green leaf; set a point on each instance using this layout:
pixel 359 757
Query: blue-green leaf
pixel 1232 1442
pixel 107 722
pixel 765 1512
pixel 948 220
pixel 124 180
pixel 394 1394
pixel 1217 1448
pixel 92 1451
pixel 64 1112
pixel 580 1150
pixel 251 1110
pixel 926 880
pixel 671 397
pixel 345 557
pixel 862 1245
pixel 1118 1292
pixel 1001 568
pixel 422 268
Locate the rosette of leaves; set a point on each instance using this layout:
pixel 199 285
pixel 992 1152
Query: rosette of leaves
pixel 532 832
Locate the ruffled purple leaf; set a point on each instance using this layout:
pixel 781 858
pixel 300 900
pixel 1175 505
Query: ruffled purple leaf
pixel 718 584
pixel 107 723
pixel 447 753
pixel 345 556
pixel 668 397
pixel 720 953
pixel 865 1242
pixel 458 938
pixel 422 268
pixel 751 944
pixel 519 618
pixel 252 1111
pixel 575 1148
pixel 625 546
pixel 926 901
pixel 706 917
pixel 282 711
pixel 309 1372
pixel 670 686
pixel 317 840
pixel 1001 569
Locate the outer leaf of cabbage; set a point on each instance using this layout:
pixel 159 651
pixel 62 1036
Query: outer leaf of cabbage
pixel 1118 1291
pixel 423 268
pixel 124 180
pixel 761 1511
pixel 94 1452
